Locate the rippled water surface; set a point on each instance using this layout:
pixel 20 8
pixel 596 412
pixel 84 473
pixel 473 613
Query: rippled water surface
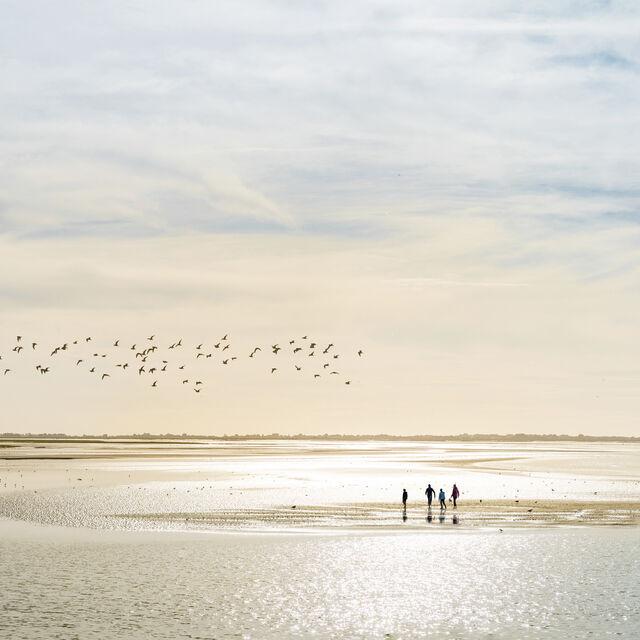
pixel 132 540
pixel 569 583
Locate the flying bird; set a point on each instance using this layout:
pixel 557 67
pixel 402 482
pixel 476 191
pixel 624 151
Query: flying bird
pixel 34 345
pixel 105 375
pixel 273 369
pixel 360 352
pixel 6 371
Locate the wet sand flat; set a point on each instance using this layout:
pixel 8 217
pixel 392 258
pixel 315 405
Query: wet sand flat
pixel 312 485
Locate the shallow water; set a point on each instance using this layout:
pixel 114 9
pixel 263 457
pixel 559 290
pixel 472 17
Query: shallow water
pixel 127 562
pixel 568 583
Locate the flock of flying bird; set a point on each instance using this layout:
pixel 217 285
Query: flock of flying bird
pixel 142 358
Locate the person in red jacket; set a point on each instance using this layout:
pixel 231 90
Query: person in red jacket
pixel 455 493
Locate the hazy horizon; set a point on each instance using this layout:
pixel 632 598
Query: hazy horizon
pixel 451 188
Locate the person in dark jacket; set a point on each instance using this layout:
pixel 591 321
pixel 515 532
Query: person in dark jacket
pixel 430 493
pixel 455 494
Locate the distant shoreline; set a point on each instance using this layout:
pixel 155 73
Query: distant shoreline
pixel 464 437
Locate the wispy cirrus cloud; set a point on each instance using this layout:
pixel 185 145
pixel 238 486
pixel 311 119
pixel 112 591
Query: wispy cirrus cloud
pixel 451 183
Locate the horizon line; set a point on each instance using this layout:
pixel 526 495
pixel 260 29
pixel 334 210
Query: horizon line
pixel 509 437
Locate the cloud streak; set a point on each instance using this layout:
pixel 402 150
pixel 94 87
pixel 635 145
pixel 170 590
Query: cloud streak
pixel 454 185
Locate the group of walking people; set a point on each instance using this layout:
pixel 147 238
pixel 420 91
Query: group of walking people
pixel 430 492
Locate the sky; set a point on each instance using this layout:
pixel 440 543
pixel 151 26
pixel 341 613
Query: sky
pixel 451 187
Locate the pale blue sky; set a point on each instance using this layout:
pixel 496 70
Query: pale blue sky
pixel 453 183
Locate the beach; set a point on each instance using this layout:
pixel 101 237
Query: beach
pixel 221 539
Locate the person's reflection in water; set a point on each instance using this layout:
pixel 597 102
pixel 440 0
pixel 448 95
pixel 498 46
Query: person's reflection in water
pixel 456 519
pixel 404 513
pixel 441 517
pixel 429 515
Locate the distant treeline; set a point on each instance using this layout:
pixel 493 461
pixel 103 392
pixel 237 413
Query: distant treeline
pixel 462 437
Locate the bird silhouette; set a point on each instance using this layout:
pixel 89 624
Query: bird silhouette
pixel 150 362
